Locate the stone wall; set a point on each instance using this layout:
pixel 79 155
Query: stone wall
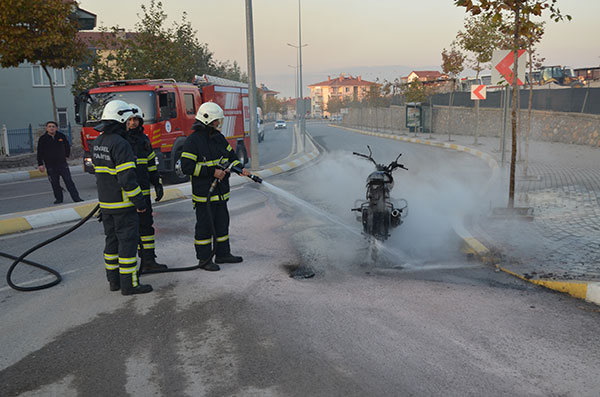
pixel 572 128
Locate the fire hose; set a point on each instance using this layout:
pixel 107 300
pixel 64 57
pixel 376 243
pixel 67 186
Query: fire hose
pixel 58 277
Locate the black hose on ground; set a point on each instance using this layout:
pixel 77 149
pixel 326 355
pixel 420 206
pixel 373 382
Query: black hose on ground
pixel 21 258
pixel 56 274
pixel 58 277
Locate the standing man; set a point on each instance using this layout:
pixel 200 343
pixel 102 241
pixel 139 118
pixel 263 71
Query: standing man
pixel 203 152
pixel 146 172
pixel 52 152
pixel 120 198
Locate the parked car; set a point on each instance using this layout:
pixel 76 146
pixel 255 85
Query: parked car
pixel 280 124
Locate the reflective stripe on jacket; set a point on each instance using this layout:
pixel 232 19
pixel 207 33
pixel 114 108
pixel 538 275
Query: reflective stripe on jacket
pixel 115 169
pixel 203 150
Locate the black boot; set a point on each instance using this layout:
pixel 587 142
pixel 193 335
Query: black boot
pixel 128 287
pixel 148 263
pixel 228 259
pixel 113 279
pixel 209 266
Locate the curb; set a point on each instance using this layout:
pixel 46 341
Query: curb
pixel 15 223
pixel 30 174
pixel 586 290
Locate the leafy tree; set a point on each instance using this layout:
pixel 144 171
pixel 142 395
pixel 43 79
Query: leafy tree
pixel 453 63
pixel 415 91
pixel 39 31
pixel 479 37
pixel 156 51
pixel 334 105
pixel 514 16
pixel 273 105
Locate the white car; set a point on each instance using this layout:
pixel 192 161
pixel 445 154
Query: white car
pixel 280 124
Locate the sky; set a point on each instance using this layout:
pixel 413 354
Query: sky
pixel 376 38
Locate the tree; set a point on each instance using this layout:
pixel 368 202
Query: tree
pixel 514 16
pixel 39 31
pixel 334 105
pixel 272 105
pixel 415 91
pixel 155 51
pixel 453 63
pixel 480 37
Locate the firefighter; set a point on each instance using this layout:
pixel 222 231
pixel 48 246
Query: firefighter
pixel 203 152
pixel 146 172
pixel 119 196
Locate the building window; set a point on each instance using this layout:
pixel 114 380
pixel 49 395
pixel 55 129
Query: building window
pixel 190 108
pixel 62 118
pixel 347 89
pixel 39 78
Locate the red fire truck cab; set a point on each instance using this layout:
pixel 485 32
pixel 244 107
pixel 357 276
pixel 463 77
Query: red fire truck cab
pixel 169 111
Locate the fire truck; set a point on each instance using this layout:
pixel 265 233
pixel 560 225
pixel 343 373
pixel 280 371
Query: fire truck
pixel 169 111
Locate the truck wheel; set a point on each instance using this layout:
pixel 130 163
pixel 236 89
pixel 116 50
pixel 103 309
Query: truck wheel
pixel 176 176
pixel 241 153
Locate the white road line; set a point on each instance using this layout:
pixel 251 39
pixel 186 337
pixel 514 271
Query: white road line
pixel 25 195
pixel 39 280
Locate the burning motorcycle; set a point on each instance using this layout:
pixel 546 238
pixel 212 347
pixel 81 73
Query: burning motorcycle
pixel 379 213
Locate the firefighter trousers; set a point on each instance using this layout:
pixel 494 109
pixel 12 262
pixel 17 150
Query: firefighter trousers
pixel 203 238
pixel 122 236
pixel 146 228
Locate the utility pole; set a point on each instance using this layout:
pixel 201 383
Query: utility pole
pixel 295 86
pixel 299 99
pixel 254 163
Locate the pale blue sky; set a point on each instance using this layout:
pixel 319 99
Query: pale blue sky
pixel 342 34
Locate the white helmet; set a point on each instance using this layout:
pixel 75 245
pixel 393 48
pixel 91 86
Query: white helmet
pixel 136 111
pixel 116 110
pixel 209 112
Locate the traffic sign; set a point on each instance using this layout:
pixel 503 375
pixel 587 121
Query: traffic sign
pixel 502 67
pixel 478 92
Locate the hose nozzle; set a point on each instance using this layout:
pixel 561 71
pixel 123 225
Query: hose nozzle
pixel 238 171
pixel 255 178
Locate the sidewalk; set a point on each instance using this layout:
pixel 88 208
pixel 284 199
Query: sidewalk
pixel 560 247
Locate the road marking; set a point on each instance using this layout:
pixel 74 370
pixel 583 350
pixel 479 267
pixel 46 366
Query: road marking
pixel 24 195
pixel 39 280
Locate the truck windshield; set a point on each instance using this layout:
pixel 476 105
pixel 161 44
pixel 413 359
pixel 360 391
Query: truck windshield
pixel 144 99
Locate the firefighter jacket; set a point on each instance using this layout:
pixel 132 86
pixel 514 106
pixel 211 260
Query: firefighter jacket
pixel 53 151
pixel 145 159
pixel 114 166
pixel 203 150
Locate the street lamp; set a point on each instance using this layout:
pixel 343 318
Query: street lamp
pixel 299 95
pixel 254 162
pixel 295 86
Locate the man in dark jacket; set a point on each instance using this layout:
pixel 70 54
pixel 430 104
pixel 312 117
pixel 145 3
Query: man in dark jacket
pixel 205 153
pixel 119 196
pixel 146 172
pixel 52 152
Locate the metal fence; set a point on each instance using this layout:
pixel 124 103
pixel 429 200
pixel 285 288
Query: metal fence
pixel 577 100
pixel 20 140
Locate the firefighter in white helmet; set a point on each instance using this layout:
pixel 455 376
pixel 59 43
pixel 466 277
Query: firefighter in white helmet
pixel 147 173
pixel 206 156
pixel 119 196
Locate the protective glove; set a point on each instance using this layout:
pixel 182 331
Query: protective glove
pixel 160 192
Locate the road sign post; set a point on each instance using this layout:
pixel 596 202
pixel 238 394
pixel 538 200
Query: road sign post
pixel 502 62
pixel 478 93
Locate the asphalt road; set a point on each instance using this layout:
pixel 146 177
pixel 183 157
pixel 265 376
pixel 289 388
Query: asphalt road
pixel 425 321
pixel 36 193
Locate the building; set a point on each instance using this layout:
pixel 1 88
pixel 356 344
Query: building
pixel 425 76
pixel 26 90
pixel 344 87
